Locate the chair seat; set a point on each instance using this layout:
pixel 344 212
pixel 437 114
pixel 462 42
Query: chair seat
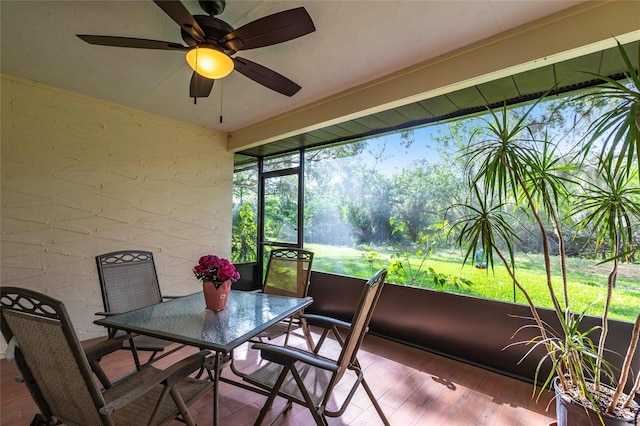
pixel 316 380
pixel 147 343
pixel 278 330
pixel 139 412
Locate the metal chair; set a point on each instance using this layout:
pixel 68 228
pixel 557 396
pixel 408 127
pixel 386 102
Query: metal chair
pixel 288 274
pixel 57 371
pixel 308 378
pixel 128 281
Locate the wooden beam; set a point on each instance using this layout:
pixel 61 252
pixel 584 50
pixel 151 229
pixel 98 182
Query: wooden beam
pixel 583 29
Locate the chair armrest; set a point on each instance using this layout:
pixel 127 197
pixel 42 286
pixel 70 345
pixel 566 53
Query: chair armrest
pixel 105 347
pixel 324 322
pixel 105 314
pixel 167 377
pixel 285 355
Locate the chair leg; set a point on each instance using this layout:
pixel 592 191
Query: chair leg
pixel 288 333
pixel 38 420
pixel 184 411
pixel 372 397
pixel 100 374
pixel 374 402
pixel 134 353
pixel 307 334
pixel 318 417
pixel 272 396
pixel 163 395
pixel 318 345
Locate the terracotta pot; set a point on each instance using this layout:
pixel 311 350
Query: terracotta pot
pixel 571 413
pixel 216 298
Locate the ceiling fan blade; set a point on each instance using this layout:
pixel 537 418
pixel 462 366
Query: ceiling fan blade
pixel 265 76
pixel 138 43
pixel 176 11
pixel 200 86
pixel 271 29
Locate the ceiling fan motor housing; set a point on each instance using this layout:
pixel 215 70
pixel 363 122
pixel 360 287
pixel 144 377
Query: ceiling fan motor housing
pixel 212 7
pixel 214 29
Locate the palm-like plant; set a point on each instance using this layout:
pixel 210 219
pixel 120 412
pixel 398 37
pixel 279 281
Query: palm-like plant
pixel 509 168
pixel 612 208
pixel 619 128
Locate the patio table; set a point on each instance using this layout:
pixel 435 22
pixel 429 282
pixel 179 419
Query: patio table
pixel 186 320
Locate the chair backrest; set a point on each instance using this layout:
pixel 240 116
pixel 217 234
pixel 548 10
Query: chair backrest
pixel 49 356
pixel 288 272
pixel 128 280
pixel 360 321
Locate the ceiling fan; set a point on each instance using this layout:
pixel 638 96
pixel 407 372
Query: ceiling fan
pixel 211 42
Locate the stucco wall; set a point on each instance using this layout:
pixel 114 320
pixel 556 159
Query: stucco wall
pixel 81 177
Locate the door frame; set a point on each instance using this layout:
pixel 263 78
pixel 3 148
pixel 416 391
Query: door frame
pixel 262 177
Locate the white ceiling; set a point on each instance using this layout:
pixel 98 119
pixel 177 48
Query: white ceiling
pixel 354 42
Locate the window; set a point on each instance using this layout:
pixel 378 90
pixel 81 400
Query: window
pixel 387 201
pixel 244 238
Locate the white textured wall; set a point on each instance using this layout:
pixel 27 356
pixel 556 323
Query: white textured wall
pixel 81 177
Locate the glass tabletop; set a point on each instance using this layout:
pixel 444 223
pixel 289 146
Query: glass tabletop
pixel 186 320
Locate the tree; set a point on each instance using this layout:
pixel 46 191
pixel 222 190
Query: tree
pixel 327 178
pixel 421 196
pixel 244 235
pixel 281 208
pixel 367 208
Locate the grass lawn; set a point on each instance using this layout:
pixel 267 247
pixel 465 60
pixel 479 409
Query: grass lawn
pixel 587 281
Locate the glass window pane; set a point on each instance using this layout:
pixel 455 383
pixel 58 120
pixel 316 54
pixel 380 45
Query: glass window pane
pixel 281 209
pixel 281 162
pixel 245 213
pixel 390 201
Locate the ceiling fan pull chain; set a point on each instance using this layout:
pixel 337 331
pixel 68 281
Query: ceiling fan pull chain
pixel 221 87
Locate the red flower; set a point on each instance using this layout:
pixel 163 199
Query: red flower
pixel 228 272
pixel 215 269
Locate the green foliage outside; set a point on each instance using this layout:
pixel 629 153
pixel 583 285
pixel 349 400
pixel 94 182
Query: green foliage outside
pixel 361 214
pixel 245 228
pixel 588 279
pixel 243 238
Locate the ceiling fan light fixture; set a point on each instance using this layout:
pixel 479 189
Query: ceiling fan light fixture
pixel 209 62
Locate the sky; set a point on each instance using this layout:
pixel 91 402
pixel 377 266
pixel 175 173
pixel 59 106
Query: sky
pixel 395 156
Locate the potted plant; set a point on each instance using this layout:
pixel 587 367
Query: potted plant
pixel 216 275
pixel 511 168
